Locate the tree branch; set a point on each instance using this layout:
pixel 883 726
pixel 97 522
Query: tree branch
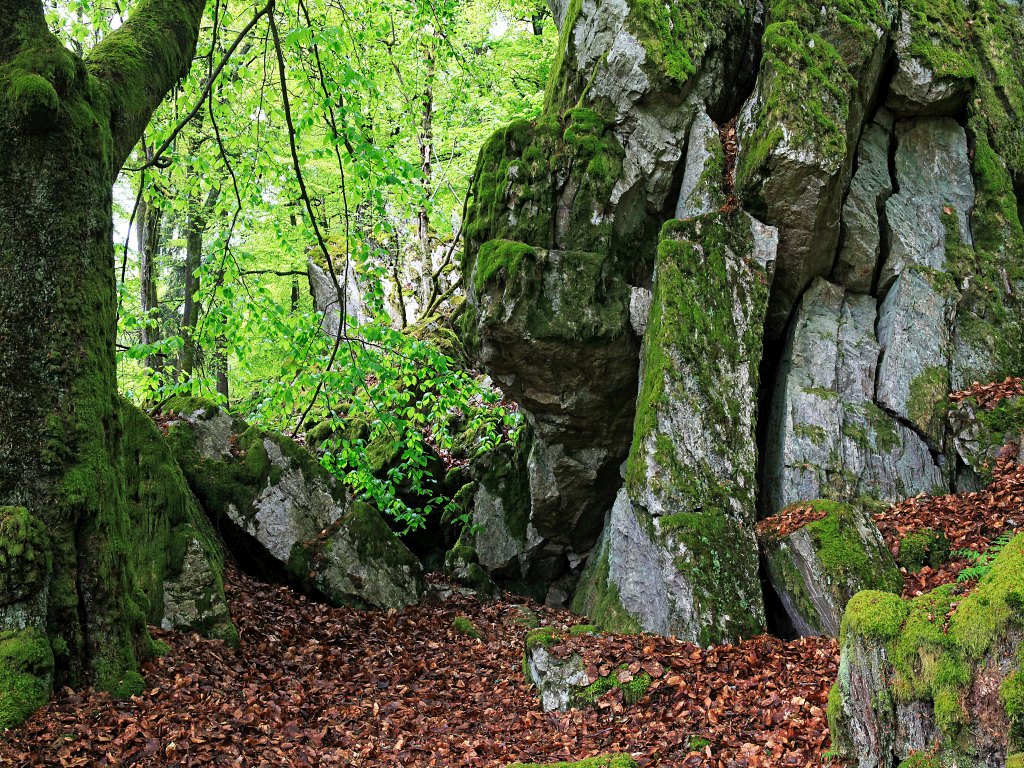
pixel 141 61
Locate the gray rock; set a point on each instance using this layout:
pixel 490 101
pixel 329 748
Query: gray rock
pixel 862 238
pixel 791 176
pixel 557 680
pixel 683 527
pixel 193 600
pixel 326 297
pixel 913 375
pixel 814 591
pixel 933 173
pixel 704 173
pixel 915 90
pixel 294 511
pixel 827 437
pixel 639 309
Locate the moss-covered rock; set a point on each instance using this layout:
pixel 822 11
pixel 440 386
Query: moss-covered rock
pixel 26 674
pixel 286 514
pixel 561 679
pixel 924 672
pixel 923 547
pixel 680 548
pixel 600 761
pixel 979 434
pixel 818 568
pixel 821 66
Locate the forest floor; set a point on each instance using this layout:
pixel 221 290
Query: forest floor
pixel 318 686
pixel 313 685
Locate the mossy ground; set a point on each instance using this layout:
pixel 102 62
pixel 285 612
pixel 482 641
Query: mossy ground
pixel 601 761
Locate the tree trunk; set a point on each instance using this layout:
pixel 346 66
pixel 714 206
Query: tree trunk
pixel 66 126
pixel 196 228
pixel 150 218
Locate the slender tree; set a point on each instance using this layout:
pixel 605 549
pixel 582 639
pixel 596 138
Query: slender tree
pixel 67 125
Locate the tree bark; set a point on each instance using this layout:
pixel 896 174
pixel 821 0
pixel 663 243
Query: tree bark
pixel 148 230
pixel 66 127
pixel 195 230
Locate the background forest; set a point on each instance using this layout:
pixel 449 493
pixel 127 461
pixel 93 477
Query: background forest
pixel 335 151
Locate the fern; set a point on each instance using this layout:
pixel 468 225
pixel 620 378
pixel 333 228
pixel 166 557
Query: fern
pixel 981 562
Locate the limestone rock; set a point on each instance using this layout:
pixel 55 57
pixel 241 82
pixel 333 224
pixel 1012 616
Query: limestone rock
pixel 683 526
pixel 978 436
pixel 915 89
pixel 933 174
pixel 326 296
pixel 271 497
pixel 862 238
pixel 561 679
pixel 192 599
pixel 913 374
pixel 817 569
pixel 939 672
pixel 798 130
pixel 704 174
pixel 826 435
pixel 181 561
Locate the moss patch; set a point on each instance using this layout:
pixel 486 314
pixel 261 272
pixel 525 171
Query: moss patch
pixel 601 761
pixel 923 547
pixel 26 672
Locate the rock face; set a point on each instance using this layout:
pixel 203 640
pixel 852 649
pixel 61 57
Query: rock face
pixel 818 568
pixel 875 147
pixel 188 592
pixel 288 513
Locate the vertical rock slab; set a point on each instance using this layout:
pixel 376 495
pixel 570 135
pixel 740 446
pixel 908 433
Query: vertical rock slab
pixel 679 554
pixel 827 437
pixel 821 66
pixel 862 237
pixel 933 174
pixel 913 329
pixel 819 567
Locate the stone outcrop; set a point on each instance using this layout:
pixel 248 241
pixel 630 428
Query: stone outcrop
pixel 560 676
pixel 818 568
pixel 938 674
pixel 876 147
pixel 685 521
pixel 288 515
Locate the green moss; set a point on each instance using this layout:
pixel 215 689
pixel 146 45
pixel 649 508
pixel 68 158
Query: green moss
pixel 24 555
pixel 1011 693
pixel 500 256
pixel 1015 760
pixel 811 432
pixel 541 637
pixel 678 35
pixel 464 625
pixel 597 597
pixel 26 671
pixel 923 547
pixel 632 690
pixel 842 554
pixel 813 56
pixel 921 760
pixel 927 405
pixel 875 615
pixel 697 743
pixel 601 761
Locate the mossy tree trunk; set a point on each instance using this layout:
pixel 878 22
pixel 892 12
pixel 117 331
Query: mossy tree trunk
pixel 66 127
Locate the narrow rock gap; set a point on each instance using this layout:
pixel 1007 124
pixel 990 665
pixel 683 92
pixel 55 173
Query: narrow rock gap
pixel 779 623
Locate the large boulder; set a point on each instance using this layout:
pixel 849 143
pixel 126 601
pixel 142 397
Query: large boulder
pixel 939 674
pixel 285 514
pixel 817 568
pixel 678 553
